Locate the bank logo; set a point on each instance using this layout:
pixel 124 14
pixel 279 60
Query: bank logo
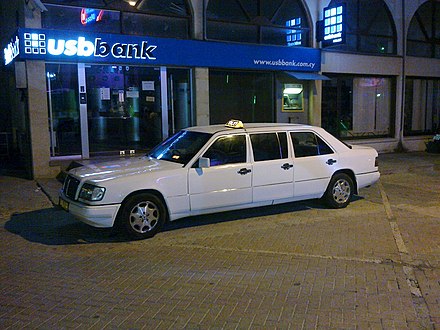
pixel 35 43
pixel 82 47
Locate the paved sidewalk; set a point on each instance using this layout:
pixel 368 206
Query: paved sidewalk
pixel 373 265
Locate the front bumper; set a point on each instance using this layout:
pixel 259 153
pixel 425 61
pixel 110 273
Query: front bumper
pixel 101 216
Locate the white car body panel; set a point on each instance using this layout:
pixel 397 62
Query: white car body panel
pixel 219 186
pixel 270 181
pixel 312 175
pixel 188 190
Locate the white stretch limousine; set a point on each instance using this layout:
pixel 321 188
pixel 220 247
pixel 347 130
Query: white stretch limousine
pixel 218 168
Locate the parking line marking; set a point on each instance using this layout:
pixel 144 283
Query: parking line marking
pixel 418 300
pixel 401 247
pixel 292 254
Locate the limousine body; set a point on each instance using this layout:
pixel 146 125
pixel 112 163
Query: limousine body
pixel 215 168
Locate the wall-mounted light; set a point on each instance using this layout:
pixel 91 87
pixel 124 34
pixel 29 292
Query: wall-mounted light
pixel 131 2
pixel 292 89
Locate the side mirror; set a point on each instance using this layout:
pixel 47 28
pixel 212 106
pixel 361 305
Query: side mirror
pixel 204 162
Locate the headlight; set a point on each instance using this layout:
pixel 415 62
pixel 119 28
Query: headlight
pixel 91 192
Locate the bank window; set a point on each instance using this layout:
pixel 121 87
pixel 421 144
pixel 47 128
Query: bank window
pixel 241 94
pixel 81 19
pixel 63 109
pixel 306 144
pixel 229 149
pixel 422 107
pixel 424 31
pixel 161 18
pixel 269 146
pixel 358 107
pixel 274 22
pixel 155 25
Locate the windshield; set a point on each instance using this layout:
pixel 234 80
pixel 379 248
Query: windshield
pixel 181 147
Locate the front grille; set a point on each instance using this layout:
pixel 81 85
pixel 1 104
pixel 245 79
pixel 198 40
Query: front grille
pixel 70 186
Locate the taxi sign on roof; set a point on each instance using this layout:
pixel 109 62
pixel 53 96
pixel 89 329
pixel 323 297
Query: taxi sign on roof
pixel 234 123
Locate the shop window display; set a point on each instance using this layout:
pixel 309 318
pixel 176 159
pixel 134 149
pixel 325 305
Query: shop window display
pixel 422 107
pixel 358 107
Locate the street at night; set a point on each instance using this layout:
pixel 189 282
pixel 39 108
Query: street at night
pixel 372 265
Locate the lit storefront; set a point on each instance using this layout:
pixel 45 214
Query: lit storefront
pixel 117 77
pixel 114 94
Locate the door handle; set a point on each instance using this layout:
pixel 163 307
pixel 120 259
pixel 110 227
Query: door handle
pixel 330 161
pixel 244 171
pixel 286 166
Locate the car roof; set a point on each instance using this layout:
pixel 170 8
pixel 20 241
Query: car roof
pixel 248 127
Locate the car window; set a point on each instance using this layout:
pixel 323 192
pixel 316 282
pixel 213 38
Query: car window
pixel 269 146
pixel 229 149
pixel 307 144
pixel 181 147
pixel 282 138
pixel 323 147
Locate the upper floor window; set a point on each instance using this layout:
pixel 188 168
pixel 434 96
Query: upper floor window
pixel 160 18
pixel 274 22
pixel 81 19
pixel 370 27
pixel 424 31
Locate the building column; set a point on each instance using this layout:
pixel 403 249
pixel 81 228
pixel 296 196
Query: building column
pixel 201 75
pixel 315 101
pixel 38 120
pixel 202 96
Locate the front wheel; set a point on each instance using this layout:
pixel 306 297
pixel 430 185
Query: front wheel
pixel 339 191
pixel 142 216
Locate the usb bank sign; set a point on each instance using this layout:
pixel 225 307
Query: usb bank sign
pixel 11 51
pixel 100 48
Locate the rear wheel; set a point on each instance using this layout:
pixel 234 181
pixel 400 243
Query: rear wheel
pixel 142 216
pixel 339 191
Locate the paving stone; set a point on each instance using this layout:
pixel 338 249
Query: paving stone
pixel 293 266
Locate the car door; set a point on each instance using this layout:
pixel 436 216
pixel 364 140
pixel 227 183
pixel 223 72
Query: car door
pixel 272 168
pixel 227 181
pixel 314 164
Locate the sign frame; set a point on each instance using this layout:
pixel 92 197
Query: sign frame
pixel 332 29
pixel 74 46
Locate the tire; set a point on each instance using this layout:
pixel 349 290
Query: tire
pixel 339 191
pixel 142 216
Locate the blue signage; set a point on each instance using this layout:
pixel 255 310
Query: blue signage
pixel 73 46
pixel 11 51
pixel 332 29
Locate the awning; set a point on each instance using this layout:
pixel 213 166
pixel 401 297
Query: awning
pixel 306 75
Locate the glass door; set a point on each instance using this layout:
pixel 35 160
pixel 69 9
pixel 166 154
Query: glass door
pixel 64 116
pixel 107 109
pixel 123 108
pixel 180 100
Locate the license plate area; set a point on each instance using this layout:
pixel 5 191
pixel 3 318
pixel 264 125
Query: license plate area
pixel 64 204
